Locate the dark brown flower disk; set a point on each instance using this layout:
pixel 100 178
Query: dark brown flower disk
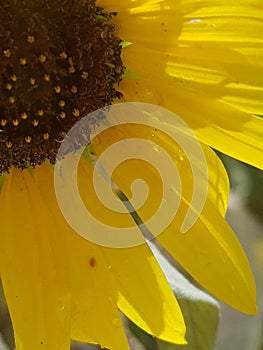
pixel 59 61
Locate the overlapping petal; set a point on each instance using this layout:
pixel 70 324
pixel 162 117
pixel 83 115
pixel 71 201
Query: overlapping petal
pixel 214 123
pixel 129 274
pixel 139 21
pixel 93 298
pixel 209 72
pixel 209 250
pixel 34 270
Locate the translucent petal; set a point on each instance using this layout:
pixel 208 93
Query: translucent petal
pixel 212 254
pixel 94 314
pixel 209 71
pixel 148 302
pixel 209 250
pixel 95 317
pixel 34 268
pixel 217 124
pixel 132 169
pixel 220 73
pixel 139 21
pixel 94 310
pixel 139 280
pixel 223 23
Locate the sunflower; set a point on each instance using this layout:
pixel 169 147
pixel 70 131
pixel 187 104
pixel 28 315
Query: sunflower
pixel 62 60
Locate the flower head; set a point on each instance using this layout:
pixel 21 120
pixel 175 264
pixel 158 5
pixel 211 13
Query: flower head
pixel 59 61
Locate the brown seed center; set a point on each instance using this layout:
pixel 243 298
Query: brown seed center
pixel 59 61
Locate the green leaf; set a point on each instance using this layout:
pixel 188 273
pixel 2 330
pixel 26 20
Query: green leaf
pixel 125 44
pixel 200 310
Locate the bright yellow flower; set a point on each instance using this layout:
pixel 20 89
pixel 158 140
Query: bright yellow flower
pixel 200 59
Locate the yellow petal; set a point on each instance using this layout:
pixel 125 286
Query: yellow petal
pixel 132 169
pixel 33 267
pixel 221 126
pixel 209 250
pixel 137 275
pixel 218 187
pixel 140 21
pixel 226 23
pixel 94 314
pixel 209 74
pixel 145 295
pixel 139 279
pixel 212 254
pixel 217 124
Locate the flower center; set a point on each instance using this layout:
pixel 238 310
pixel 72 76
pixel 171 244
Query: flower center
pixel 59 61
